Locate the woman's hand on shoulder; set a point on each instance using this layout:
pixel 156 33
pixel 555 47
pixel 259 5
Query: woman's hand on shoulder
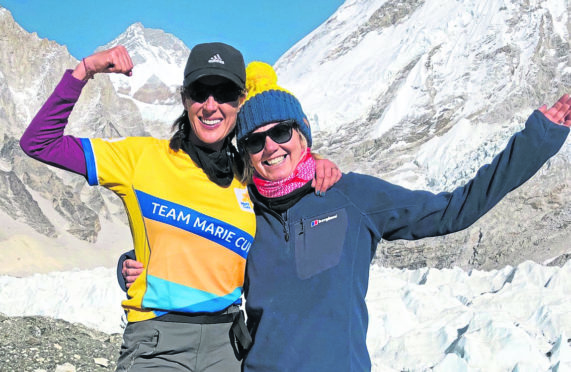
pixel 326 175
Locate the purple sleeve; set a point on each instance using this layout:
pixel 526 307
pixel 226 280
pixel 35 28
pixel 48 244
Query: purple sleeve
pixel 44 140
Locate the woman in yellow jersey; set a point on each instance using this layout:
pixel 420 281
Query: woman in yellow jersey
pixel 189 211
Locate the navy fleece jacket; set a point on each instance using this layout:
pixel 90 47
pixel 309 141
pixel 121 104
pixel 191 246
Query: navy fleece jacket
pixel 308 270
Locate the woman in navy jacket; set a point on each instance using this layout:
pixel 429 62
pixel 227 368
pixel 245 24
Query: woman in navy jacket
pixel 307 272
pixel 308 269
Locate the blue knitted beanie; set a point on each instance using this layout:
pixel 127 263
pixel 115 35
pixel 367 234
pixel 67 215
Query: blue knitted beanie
pixel 268 103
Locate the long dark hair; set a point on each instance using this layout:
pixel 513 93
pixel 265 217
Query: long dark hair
pixel 181 128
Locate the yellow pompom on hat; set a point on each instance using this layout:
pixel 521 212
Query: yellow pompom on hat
pixel 267 102
pixel 261 77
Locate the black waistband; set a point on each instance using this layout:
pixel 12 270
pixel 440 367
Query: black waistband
pixel 226 316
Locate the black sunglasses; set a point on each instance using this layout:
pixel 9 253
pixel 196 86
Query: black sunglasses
pixel 280 133
pixel 222 93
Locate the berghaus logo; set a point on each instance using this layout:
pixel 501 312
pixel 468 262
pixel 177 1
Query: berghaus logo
pixel 323 220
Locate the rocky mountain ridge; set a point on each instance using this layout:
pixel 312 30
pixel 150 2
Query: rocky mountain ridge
pixel 42 205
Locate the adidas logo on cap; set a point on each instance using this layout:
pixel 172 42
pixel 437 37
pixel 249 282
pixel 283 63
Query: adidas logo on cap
pixel 216 59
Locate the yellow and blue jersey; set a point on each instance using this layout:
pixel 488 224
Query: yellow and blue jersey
pixel 191 235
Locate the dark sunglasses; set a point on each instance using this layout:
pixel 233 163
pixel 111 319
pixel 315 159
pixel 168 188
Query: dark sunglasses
pixel 280 133
pixel 222 93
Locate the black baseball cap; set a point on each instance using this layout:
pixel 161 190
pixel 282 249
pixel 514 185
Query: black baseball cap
pixel 215 59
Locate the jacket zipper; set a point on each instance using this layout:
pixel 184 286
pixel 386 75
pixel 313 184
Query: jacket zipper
pixel 285 225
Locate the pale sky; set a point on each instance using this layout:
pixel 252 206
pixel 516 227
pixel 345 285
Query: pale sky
pixel 260 29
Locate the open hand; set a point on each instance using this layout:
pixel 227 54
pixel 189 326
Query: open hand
pixel 560 112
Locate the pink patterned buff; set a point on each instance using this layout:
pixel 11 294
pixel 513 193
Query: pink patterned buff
pixel 303 173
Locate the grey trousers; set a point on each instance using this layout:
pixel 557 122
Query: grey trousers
pixel 168 346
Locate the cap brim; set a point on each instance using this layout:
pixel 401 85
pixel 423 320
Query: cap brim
pixel 195 75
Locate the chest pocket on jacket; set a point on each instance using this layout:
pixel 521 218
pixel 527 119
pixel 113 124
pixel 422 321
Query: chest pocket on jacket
pixel 319 242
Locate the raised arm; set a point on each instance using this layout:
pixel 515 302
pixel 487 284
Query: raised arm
pixel 418 214
pixel 44 139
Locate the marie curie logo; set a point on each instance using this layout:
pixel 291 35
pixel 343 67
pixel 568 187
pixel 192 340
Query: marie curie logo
pixel 244 200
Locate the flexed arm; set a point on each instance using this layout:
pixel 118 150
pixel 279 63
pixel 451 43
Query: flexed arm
pixel 44 138
pixel 114 60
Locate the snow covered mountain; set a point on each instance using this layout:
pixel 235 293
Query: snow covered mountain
pixel 404 73
pixel 420 93
pixel 159 59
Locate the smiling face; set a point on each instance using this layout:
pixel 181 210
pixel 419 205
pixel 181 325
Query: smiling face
pixel 214 118
pixel 277 161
